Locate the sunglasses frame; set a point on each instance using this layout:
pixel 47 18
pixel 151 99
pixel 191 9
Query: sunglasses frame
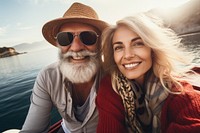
pixel 78 35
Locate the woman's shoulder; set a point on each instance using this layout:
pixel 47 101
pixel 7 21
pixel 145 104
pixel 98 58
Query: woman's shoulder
pixel 188 94
pixel 106 91
pixel 196 86
pixel 187 101
pixel 105 87
pixel 180 109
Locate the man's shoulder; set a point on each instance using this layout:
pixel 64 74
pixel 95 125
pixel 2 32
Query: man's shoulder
pixel 54 65
pixel 51 69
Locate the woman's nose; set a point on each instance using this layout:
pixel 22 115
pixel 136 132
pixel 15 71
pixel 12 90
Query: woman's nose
pixel 128 53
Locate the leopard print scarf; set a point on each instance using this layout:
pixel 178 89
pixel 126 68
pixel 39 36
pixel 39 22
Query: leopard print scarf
pixel 128 98
pixel 142 107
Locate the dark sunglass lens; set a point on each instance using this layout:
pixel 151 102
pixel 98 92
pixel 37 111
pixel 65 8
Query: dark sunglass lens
pixel 88 38
pixel 65 38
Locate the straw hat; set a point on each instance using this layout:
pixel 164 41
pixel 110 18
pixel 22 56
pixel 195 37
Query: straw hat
pixel 76 13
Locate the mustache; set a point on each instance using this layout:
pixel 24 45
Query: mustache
pixel 84 53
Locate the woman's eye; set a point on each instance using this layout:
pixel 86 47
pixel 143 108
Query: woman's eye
pixel 117 48
pixel 138 44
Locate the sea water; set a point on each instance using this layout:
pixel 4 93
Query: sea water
pixel 17 77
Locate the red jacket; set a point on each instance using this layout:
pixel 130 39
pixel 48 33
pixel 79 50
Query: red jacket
pixel 180 113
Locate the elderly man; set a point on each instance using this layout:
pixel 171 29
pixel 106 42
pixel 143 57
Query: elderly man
pixel 70 84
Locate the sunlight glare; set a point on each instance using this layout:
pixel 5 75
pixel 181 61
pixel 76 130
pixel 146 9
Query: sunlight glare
pixel 164 4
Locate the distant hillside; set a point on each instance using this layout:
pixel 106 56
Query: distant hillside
pixel 183 19
pixel 30 47
pixel 186 18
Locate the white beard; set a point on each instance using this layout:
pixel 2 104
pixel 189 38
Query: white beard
pixel 79 72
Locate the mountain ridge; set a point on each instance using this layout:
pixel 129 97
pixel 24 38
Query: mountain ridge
pixel 30 47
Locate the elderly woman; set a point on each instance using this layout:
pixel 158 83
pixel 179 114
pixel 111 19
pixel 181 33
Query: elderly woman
pixel 151 81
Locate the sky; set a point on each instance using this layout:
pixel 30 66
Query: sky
pixel 21 21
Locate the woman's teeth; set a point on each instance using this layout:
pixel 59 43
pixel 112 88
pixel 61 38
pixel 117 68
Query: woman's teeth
pixel 131 65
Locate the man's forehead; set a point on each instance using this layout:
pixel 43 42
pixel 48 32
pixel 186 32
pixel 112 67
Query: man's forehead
pixel 75 26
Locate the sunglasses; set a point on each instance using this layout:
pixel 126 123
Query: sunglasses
pixel 86 37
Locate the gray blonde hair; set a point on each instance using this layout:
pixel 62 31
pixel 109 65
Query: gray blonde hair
pixel 171 62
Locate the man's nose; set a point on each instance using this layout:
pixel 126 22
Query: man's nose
pixel 76 45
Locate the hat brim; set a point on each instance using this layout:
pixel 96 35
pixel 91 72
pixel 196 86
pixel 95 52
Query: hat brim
pixel 51 28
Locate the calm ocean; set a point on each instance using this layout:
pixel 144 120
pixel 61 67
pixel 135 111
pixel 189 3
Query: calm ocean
pixel 17 76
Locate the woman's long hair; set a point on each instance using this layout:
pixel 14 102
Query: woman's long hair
pixel 172 63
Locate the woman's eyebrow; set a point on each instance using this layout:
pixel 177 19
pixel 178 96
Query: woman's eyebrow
pixel 118 42
pixel 136 38
pixel 132 40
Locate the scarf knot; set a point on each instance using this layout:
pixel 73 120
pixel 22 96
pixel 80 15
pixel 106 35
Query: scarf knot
pixel 142 105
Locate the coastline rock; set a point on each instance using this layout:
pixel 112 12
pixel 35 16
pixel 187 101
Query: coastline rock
pixel 7 52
